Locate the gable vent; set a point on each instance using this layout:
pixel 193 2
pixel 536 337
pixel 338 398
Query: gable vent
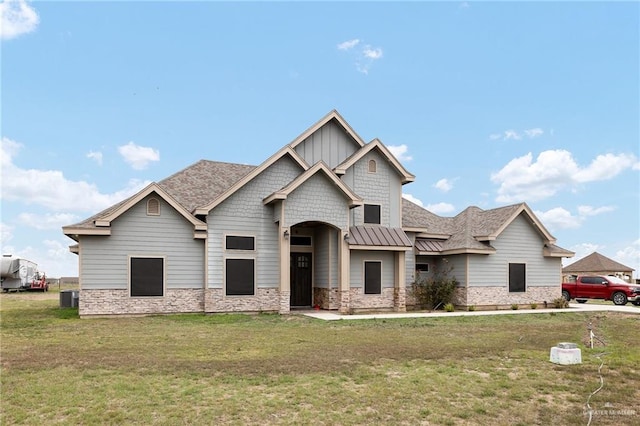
pixel 153 207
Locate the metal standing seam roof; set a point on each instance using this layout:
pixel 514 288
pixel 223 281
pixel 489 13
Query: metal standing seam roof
pixel 428 245
pixel 379 236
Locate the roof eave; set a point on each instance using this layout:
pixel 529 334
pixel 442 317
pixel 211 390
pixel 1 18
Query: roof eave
pixel 386 248
pixel 73 233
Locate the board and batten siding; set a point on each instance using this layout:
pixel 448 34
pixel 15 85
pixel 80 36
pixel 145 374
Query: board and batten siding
pixel 325 254
pixel 243 213
pixel 330 144
pixel 356 272
pixel 518 243
pixel 383 188
pixel 104 260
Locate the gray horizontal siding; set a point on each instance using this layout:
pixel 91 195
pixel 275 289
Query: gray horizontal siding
pixel 104 261
pixel 243 213
pixel 356 270
pixel 518 243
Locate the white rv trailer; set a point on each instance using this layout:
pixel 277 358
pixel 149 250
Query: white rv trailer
pixel 17 273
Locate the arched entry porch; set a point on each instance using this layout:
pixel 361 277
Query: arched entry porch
pixel 315 257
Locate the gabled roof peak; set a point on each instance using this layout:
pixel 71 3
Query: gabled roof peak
pixel 332 115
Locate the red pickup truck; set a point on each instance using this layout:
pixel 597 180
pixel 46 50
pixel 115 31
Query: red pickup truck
pixel 601 287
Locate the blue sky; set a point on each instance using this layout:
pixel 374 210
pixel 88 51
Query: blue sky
pixel 487 103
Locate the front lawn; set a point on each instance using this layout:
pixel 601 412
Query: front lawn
pixel 285 370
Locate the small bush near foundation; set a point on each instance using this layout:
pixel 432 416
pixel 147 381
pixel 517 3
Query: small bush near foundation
pixel 449 307
pixel 560 303
pixel 435 289
pixel 534 305
pixel 514 306
pixel 472 308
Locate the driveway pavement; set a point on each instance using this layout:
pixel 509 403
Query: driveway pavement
pixel 573 307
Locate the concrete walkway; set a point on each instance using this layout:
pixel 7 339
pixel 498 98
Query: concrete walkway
pixel 573 307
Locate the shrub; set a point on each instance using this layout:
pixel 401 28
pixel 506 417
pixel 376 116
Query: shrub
pixel 534 305
pixel 514 306
pixel 435 289
pixel 560 302
pixel 472 308
pixel 449 307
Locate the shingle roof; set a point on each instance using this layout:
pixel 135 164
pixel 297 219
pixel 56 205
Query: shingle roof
pixel 414 216
pixel 470 230
pixel 192 187
pixel 202 182
pixel 595 262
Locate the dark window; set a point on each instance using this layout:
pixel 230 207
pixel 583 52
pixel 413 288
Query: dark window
pixel 147 276
pixel 235 242
pixel 422 267
pixel 240 277
pixel 593 280
pixel 371 213
pixel 517 281
pixel 300 241
pixel 372 277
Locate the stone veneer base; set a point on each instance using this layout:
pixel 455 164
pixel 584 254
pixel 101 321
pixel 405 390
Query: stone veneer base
pixel 118 302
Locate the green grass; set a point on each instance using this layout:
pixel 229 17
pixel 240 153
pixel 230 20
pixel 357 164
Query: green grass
pixel 286 370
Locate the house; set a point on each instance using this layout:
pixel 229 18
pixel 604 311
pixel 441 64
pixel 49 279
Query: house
pixel 597 264
pixel 321 222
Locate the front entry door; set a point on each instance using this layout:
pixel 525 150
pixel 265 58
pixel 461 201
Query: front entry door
pixel 300 279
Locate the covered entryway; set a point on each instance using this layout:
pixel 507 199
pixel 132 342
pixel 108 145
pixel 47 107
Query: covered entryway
pixel 301 281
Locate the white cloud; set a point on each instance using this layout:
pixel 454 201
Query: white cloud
pixel 444 185
pixel 97 156
pixel 515 135
pixel 17 18
pixel 138 157
pixel 533 133
pixel 605 167
pixel 51 256
pixel 558 218
pixel 630 256
pixel 6 234
pixel 364 56
pixel 349 44
pixel 370 53
pixel 412 199
pixel 594 211
pixel 511 134
pixel 400 152
pixel 50 188
pixel 523 179
pixel 440 208
pixel 48 220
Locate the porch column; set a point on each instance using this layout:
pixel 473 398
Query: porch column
pixel 285 278
pixel 345 256
pixel 400 287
